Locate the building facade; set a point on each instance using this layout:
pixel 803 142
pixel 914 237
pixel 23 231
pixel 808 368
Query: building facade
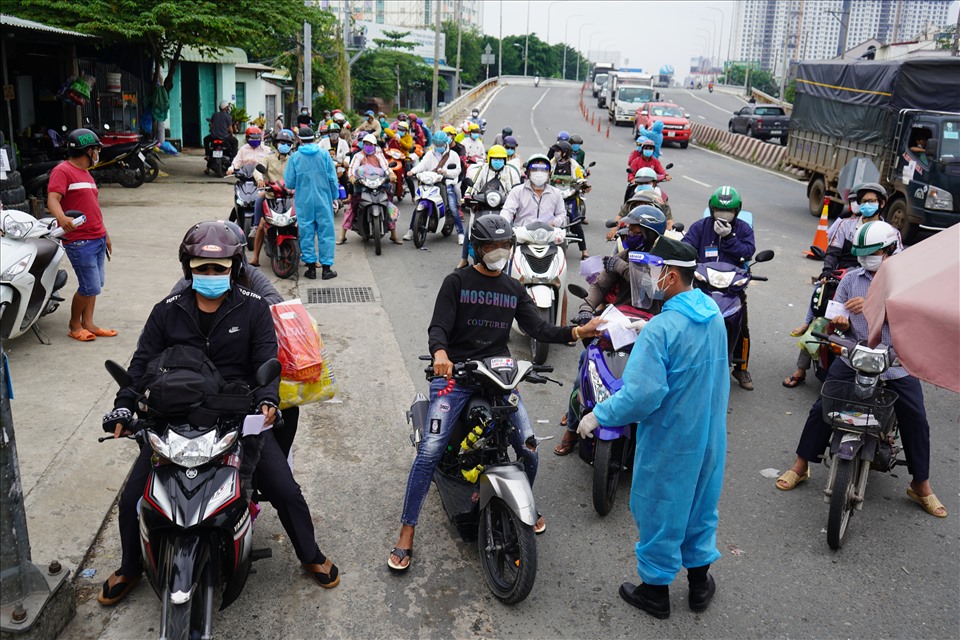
pixel 772 32
pixel 413 14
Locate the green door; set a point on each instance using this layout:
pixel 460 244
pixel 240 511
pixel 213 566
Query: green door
pixel 208 95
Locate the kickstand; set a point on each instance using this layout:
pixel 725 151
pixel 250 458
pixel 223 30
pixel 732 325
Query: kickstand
pixel 41 336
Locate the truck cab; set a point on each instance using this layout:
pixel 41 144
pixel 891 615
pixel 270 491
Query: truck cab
pixel 627 93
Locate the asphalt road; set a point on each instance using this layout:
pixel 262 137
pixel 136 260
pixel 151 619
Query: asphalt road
pixel 897 576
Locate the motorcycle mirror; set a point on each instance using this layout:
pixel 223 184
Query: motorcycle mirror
pixel 268 372
pixel 610 224
pixel 592 164
pixel 261 168
pixel 577 291
pixel 764 256
pixel 678 226
pixel 451 166
pixel 669 165
pixel 73 213
pixel 628 170
pixel 118 373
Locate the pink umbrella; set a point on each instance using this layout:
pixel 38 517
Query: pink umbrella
pixel 917 292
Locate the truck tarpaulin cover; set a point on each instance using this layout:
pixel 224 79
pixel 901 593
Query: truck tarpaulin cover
pixel 854 100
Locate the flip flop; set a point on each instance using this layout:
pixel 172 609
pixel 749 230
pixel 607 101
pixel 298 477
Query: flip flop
pixel 254 264
pixel 82 335
pixel 929 503
pixel 104 333
pixel 400 553
pixel 567 444
pixel 540 528
pixel 326 574
pixel 793 382
pixel 112 594
pixel 790 479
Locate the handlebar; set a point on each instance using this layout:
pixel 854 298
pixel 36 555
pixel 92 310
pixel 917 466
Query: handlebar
pixel 760 278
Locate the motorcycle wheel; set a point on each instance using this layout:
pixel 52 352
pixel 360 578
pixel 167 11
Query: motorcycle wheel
pixel 377 238
pixel 284 260
pixel 607 465
pixel 841 501
pixel 134 180
pixel 447 225
pixel 218 167
pixel 247 228
pixel 420 228
pixel 510 563
pixel 539 349
pixel 153 168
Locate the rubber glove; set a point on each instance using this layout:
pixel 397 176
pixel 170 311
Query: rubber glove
pixel 723 229
pixel 588 424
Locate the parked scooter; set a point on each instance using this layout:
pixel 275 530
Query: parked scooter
pixel 373 217
pixel 195 523
pixel 486 494
pixel 864 427
pixel 430 210
pixel 218 161
pixel 30 273
pixel 244 199
pixel 282 234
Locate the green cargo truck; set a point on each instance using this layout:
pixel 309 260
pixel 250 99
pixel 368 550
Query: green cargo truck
pixel 882 111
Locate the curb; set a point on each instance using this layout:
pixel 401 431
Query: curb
pixel 753 150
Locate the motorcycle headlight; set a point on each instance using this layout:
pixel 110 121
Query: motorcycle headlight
pixel 872 361
pixel 372 183
pixel 280 220
pixel 16 269
pixel 191 452
pixel 720 279
pixel 939 199
pixel 16 228
pixel 541 236
pixel 600 392
pixel 494 199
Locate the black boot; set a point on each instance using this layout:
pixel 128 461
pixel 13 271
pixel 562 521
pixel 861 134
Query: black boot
pixel 651 598
pixel 327 273
pixel 311 273
pixel 702 588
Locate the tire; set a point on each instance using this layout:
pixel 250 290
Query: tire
pixel 898 214
pixel 783 141
pixel 539 349
pixel 377 237
pixel 730 127
pixel 285 259
pixel 816 191
pixel 218 169
pixel 153 168
pixel 20 206
pixel 607 465
pixel 420 228
pixel 15 195
pixel 247 228
pixel 447 228
pixel 178 621
pixel 841 501
pixel 510 568
pixel 749 131
pixel 12 181
pixel 135 180
pixel 684 145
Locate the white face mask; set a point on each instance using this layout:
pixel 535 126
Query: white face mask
pixel 496 260
pixel 539 178
pixel 651 283
pixel 870 263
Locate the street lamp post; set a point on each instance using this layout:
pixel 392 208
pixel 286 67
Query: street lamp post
pixel 723 17
pixel 590 43
pixel 526 42
pixel 566 26
pixel 707 40
pixel 579 40
pixel 549 7
pixel 713 38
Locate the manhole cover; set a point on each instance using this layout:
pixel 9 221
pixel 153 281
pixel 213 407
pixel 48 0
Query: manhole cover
pixel 339 295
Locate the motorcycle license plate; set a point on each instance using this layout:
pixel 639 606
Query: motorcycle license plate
pixel 217 153
pixel 141 156
pixel 775 133
pixel 670 134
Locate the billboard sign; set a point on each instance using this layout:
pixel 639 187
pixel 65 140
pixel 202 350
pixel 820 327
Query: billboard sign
pixel 423 39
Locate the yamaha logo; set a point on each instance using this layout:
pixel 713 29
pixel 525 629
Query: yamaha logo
pixel 191 473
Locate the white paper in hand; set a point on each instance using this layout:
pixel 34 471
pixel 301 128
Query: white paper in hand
pixel 835 310
pixel 618 327
pixel 253 425
pixel 591 266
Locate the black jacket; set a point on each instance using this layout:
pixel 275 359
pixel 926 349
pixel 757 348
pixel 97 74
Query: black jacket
pixel 241 339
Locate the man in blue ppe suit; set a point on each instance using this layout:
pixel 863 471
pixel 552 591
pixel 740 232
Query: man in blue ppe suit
pixel 313 178
pixel 654 133
pixel 676 390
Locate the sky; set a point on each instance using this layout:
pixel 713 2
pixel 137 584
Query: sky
pixel 649 34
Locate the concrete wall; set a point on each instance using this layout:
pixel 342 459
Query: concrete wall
pixel 257 91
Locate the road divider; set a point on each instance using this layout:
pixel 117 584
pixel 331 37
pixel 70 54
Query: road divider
pixel 753 150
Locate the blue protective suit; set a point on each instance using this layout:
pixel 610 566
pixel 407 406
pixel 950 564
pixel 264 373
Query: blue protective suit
pixel 654 134
pixel 676 387
pixel 314 178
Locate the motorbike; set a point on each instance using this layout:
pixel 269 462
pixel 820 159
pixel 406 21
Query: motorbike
pixel 123 163
pixel 218 161
pixel 632 187
pixel 540 264
pixel 823 293
pixel 486 494
pixel 430 209
pixel 244 198
pixel 536 81
pixel 572 190
pixel 710 87
pixel 281 231
pixel 865 431
pixel 148 148
pixel 30 273
pixel 196 530
pixel 372 219
pixel 395 163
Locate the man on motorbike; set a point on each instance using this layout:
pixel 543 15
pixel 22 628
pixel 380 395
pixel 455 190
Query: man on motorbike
pixel 210 256
pixel 473 145
pixel 643 225
pixel 439 160
pixel 535 199
pixel 872 244
pixel 643 156
pixel 221 128
pixel 252 152
pixel 576 141
pixel 466 326
pixel 675 389
pixel 495 174
pixel 369 157
pixel 503 135
pixel 338 148
pixel 275 164
pixel 513 158
pixel 723 237
pixel 563 136
pixel 565 170
pixel 477 120
pixel 305 119
pixel 370 125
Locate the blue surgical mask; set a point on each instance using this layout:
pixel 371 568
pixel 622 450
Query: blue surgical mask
pixel 648 153
pixel 510 152
pixel 254 143
pixel 440 149
pixel 633 243
pixel 283 148
pixel 497 163
pixel 644 187
pixel 576 147
pixel 211 287
pixel 869 209
pixel 475 136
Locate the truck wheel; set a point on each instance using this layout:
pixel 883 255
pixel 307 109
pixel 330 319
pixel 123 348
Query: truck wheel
pixel 816 191
pixel 899 217
pixel 684 144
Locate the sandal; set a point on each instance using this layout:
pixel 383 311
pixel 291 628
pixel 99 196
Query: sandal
pixel 567 444
pixel 253 264
pixel 400 553
pixel 325 573
pixel 790 479
pixel 563 420
pixel 81 335
pixel 104 333
pixel 111 594
pixel 541 524
pixel 929 503
pixel 793 381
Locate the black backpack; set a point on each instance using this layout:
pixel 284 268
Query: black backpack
pixel 177 381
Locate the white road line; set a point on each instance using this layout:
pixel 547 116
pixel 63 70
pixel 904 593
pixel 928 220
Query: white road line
pixel 491 99
pixel 535 132
pixel 701 117
pixel 702 184
pixel 747 164
pixel 707 102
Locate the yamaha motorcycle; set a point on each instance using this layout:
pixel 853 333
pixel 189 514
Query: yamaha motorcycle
pixel 244 199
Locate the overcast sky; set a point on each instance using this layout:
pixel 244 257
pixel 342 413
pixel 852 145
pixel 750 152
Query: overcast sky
pixel 648 34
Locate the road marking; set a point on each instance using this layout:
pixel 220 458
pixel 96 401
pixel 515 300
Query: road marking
pixel 707 102
pixel 491 99
pixel 702 184
pixel 535 132
pixel 747 164
pixel 701 117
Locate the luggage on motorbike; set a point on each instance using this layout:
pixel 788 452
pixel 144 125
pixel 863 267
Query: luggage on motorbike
pixel 298 342
pixel 295 393
pixel 177 381
pixel 808 341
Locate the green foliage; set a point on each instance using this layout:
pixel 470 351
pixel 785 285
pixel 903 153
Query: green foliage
pixel 240 117
pixel 759 78
pixel 395 40
pixel 791 91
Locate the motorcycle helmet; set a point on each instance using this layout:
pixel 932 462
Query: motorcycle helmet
pixel 333 128
pixel 576 139
pixel 506 132
pixel 510 142
pixel 224 105
pixel 403 127
pixel 450 130
pixel 401 117
pixel 645 197
pixel 369 139
pixel 339 118
pixel 211 240
pixel 474 127
pixel 490 227
pixel 496 151
pixel 537 158
pixel 439 139
pixel 475 113
pixel 253 136
pixel 645 175
pixel 420 121
pixel 285 135
pixel 723 202
pixel 80 140
pixel 412 117
pixel 306 135
pixel 465 127
pixel 565 148
pixel 563 135
pixel 874 236
pixel 873 187
pixel 652 222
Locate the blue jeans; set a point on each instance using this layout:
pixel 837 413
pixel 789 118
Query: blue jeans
pixel 87 258
pixel 442 415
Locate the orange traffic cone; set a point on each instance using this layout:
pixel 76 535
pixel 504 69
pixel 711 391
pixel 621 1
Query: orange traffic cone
pixel 819 247
pixel 592 121
pixel 608 131
pixel 598 126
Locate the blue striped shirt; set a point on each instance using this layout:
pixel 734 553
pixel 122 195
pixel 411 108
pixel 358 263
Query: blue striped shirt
pixel 855 284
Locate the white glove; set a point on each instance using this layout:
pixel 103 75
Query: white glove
pixel 722 228
pixel 588 424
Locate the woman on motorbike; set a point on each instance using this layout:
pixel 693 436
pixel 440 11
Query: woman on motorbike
pixel 370 157
pixel 275 164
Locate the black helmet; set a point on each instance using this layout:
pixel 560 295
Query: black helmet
pixel 564 147
pixel 648 216
pixel 576 139
pixel 875 188
pixel 285 135
pixel 490 227
pixel 80 140
pixel 507 131
pixel 306 134
pixel 211 240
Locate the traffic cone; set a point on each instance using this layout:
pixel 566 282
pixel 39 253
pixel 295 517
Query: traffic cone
pixel 592 121
pixel 608 131
pixel 819 247
pixel 598 126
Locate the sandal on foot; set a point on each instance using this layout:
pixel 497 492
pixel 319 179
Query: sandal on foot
pixel 81 335
pixel 326 574
pixel 567 443
pixel 791 479
pixel 794 381
pixel 929 503
pixel 400 553
pixel 104 333
pixel 563 420
pixel 253 264
pixel 111 594
pixel 540 526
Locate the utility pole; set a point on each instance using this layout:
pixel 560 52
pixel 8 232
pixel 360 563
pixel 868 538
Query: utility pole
pixel 434 108
pixel 500 45
pixel 347 81
pixel 526 41
pixel 456 88
pixel 308 66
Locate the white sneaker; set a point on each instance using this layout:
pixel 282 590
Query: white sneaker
pixel 408 235
pixel 460 239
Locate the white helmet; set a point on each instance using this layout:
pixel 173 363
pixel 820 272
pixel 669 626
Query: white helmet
pixel 369 139
pixel 872 237
pixel 646 174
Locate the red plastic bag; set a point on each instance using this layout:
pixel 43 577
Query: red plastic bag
pixel 299 343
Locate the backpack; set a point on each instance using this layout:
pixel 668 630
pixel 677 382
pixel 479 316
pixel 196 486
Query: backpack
pixel 177 381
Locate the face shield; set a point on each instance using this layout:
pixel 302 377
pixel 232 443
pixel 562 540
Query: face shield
pixel 645 271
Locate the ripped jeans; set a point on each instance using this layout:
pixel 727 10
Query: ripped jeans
pixel 441 417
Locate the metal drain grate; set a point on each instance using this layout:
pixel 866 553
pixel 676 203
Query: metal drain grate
pixel 339 295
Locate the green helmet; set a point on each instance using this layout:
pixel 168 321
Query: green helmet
pixel 726 199
pixel 334 128
pixel 872 237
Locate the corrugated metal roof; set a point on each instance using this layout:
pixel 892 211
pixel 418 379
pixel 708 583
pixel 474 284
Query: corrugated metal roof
pixel 224 55
pixel 13 21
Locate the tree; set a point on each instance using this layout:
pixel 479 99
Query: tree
pixel 471 46
pixel 377 71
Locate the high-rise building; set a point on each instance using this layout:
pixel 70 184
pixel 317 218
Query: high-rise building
pixel 413 14
pixel 771 32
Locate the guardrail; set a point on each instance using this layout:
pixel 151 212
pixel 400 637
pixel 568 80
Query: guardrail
pixel 753 150
pixel 462 105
